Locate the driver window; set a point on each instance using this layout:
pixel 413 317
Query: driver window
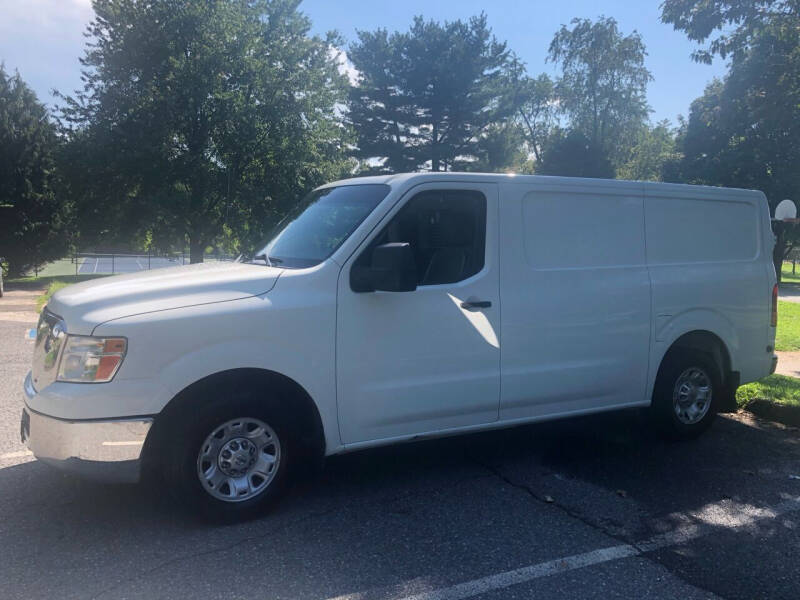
pixel 447 232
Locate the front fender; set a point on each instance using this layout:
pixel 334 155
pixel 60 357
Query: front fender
pixel 293 337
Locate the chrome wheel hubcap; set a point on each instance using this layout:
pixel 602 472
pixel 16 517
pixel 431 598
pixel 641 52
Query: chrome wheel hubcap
pixel 236 457
pixel 239 459
pixel 691 397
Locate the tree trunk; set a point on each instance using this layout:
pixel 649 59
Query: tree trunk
pixel 435 148
pixel 196 250
pixel 778 250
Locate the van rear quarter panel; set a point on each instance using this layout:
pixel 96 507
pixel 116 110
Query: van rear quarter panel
pixel 575 296
pixel 709 258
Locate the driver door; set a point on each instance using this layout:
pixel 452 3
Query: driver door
pixel 429 360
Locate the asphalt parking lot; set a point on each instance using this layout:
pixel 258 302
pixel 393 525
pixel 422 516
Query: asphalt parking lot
pixel 590 508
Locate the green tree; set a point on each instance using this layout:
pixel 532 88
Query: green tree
pixel 569 153
pixel 729 26
pixel 33 218
pixel 501 148
pixel 535 102
pixel 603 84
pixel 728 142
pixel 653 148
pixel 200 115
pixel 425 98
pixel 745 130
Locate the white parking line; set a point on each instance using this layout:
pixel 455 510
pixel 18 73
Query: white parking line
pixel 96 262
pixel 20 454
pixel 126 443
pixel 710 519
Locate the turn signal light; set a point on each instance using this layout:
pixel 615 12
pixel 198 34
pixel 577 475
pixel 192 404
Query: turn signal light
pixel 91 359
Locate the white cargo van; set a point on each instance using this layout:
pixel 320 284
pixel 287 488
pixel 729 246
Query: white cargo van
pixel 392 308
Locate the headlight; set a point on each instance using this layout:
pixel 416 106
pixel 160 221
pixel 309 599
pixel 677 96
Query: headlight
pixel 91 359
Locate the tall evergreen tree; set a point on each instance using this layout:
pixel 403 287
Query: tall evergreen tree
pixel 32 216
pixel 426 97
pixel 196 116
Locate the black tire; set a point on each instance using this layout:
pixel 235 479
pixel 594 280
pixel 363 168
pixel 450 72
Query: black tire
pixel 678 364
pixel 187 433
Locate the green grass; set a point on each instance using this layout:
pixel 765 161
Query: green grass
pixel 780 389
pixel 786 273
pixel 51 289
pixel 787 338
pixel 59 268
pixel 776 388
pixel 32 283
pixel 53 285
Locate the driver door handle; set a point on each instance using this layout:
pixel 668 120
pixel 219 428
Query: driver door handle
pixel 473 304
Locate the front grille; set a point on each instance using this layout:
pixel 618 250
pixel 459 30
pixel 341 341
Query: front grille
pixel 50 335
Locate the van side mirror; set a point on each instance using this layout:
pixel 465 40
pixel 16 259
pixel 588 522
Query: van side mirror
pixel 392 269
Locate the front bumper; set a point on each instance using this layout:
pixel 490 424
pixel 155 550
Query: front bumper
pixel 108 450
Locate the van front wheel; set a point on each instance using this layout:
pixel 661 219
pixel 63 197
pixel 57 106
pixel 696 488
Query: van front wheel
pixel 228 460
pixel 686 394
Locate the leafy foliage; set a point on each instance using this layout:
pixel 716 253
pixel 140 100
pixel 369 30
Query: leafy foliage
pixel 32 216
pixel 501 148
pixel 450 96
pixel 425 98
pixel 196 116
pixel 652 150
pixel 535 102
pixel 603 85
pixel 570 153
pixel 730 26
pixel 745 130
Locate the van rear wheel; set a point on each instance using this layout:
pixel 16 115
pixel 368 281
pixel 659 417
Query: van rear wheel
pixel 228 460
pixel 686 393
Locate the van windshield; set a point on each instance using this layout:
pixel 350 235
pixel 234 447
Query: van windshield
pixel 320 223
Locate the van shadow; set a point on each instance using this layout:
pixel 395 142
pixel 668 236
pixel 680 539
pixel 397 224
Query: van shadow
pixel 608 470
pixel 615 451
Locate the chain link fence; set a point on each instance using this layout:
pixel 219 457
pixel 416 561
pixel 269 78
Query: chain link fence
pixel 88 263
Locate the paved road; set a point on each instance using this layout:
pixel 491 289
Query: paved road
pixel 593 508
pixel 789 292
pixel 17 316
pixel 788 364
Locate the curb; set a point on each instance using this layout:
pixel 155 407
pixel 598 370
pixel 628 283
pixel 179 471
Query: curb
pixel 782 413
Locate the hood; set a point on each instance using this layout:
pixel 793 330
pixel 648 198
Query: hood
pixel 85 305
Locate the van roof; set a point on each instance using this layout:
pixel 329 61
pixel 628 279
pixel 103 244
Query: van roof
pixel 543 180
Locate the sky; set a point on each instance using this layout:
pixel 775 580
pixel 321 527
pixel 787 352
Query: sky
pixel 43 39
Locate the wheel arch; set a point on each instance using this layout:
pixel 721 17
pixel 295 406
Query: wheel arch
pixel 714 345
pixel 704 341
pixel 302 410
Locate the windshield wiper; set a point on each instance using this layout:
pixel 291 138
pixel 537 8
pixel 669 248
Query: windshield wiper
pixel 269 260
